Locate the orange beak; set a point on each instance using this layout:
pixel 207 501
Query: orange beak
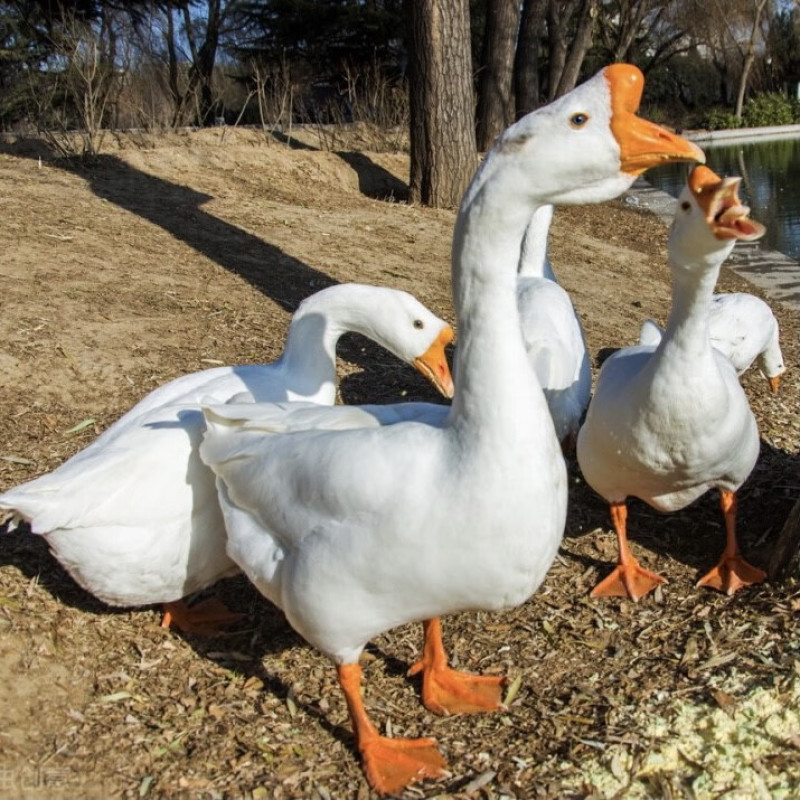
pixel 774 383
pixel 642 144
pixel 719 201
pixel 433 363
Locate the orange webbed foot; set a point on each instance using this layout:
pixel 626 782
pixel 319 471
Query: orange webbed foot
pixel 447 691
pixel 206 618
pixel 628 580
pixel 731 574
pixel 390 764
pixel 393 764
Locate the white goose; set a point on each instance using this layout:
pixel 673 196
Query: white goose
pixel 134 517
pixel 553 334
pixel 744 329
pixel 352 532
pixel 668 423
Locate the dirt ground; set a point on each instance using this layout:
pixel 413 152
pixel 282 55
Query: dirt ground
pixel 176 253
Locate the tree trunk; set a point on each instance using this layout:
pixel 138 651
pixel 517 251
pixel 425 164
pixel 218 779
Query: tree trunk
pixel 526 63
pixel 557 20
pixel 749 60
pixel 443 150
pixel 207 56
pixel 201 71
pixel 749 57
pixel 495 109
pixel 619 31
pixel 748 51
pixel 173 81
pixel 582 41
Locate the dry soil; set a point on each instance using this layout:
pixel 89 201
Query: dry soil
pixel 178 252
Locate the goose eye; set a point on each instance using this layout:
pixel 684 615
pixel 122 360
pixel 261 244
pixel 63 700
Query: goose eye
pixel 578 120
pixel 419 324
pixel 686 205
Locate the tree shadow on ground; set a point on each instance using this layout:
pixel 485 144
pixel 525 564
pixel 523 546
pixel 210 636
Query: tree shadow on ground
pixel 178 210
pixel 373 180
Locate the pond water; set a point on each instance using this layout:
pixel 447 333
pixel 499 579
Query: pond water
pixel 770 172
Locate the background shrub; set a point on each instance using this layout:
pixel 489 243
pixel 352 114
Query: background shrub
pixel 771 108
pixel 720 119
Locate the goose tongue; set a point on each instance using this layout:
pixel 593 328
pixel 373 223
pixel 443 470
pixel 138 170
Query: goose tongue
pixel 718 198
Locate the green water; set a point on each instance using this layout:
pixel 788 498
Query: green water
pixel 770 172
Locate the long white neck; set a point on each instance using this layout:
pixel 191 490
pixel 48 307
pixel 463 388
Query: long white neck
pixel 494 382
pixel 533 260
pixel 688 324
pixel 309 357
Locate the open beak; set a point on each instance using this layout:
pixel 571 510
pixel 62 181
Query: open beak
pixel 433 363
pixel 642 144
pixel 719 201
pixel 774 383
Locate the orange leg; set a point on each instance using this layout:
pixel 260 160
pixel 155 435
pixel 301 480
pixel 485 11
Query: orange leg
pixel 446 691
pixel 390 764
pixel 204 619
pixel 732 572
pixel 629 579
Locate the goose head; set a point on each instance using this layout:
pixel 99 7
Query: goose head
pixel 432 363
pixel 770 361
pixel 709 220
pixel 414 334
pixel 392 318
pixel 774 380
pixel 585 147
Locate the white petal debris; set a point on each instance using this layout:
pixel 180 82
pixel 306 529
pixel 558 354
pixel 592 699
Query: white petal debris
pixel 747 751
